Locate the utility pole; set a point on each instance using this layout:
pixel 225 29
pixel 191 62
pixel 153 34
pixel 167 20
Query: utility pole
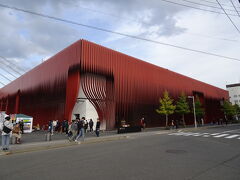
pixel 194 113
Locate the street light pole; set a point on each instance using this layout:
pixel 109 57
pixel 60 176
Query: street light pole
pixel 195 120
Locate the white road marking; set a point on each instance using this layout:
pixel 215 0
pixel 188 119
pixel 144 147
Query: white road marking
pixel 232 136
pixel 188 134
pixel 206 135
pixel 231 130
pixel 176 134
pixel 215 134
pixel 198 134
pixel 221 135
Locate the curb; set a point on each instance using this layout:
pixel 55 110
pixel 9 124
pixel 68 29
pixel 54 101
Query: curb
pixel 39 147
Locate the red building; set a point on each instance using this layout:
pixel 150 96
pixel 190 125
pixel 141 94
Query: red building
pixel 117 85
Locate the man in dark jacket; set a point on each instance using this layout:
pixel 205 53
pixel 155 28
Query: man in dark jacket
pixel 80 129
pixel 98 127
pixel 21 124
pixel 91 125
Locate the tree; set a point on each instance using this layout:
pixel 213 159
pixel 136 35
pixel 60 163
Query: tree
pixel 166 106
pixel 237 110
pixel 182 106
pixel 237 107
pixel 228 109
pixel 198 108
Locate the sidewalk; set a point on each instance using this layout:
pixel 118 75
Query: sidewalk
pixel 36 141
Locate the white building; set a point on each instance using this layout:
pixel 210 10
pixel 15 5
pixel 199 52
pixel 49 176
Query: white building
pixel 234 93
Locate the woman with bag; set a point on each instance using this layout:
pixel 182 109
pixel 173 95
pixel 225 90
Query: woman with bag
pixel 16 133
pixel 6 128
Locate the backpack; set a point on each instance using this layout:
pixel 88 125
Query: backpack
pixel 74 126
pixel 6 129
pixel 80 124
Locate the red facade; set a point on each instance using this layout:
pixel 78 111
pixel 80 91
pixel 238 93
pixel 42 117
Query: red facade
pixel 118 86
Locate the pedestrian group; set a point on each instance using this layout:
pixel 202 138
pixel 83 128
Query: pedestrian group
pixel 78 128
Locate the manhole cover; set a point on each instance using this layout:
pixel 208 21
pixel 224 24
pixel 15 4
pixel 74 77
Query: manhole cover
pixel 175 151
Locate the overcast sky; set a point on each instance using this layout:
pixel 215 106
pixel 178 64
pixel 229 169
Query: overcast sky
pixel 28 39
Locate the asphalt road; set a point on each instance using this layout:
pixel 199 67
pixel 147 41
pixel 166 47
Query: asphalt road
pixel 192 155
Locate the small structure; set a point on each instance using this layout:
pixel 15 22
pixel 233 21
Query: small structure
pixel 27 122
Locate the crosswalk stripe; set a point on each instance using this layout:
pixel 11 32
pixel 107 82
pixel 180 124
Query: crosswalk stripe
pixel 232 136
pixel 176 134
pixel 206 135
pixel 198 134
pixel 215 134
pixel 187 134
pixel 221 135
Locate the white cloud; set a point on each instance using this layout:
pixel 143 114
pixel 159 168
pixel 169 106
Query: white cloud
pixel 28 39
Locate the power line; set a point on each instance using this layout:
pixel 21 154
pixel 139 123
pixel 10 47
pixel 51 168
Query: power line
pixel 119 33
pixel 19 68
pixel 216 3
pixel 212 37
pixel 7 70
pixel 184 5
pixel 10 67
pixel 135 20
pixel 5 77
pixel 206 5
pixel 2 83
pixel 228 16
pixel 235 8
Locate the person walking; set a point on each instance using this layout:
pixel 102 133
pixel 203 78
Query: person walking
pixel 81 129
pixel 176 123
pixel 172 124
pixel 98 127
pixel 91 125
pixel 50 127
pixel 74 130
pixel 6 127
pixel 143 123
pixel 21 124
pixel 85 126
pixel 54 124
pixel 63 126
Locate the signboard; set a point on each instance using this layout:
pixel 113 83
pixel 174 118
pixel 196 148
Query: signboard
pixel 27 122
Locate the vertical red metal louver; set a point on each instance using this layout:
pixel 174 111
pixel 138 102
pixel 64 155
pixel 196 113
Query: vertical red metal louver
pixel 119 87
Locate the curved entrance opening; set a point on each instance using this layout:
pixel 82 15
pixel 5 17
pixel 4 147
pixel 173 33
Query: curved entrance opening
pixel 84 108
pixel 96 100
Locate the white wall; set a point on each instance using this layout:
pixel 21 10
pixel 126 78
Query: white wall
pixel 234 94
